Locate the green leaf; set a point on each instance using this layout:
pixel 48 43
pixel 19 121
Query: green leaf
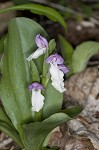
pixel 73 111
pixel 53 101
pixel 39 9
pixel 16 76
pixel 4 118
pixel 82 54
pixel 52 46
pixel 2 45
pixel 66 50
pixel 39 64
pixel 34 72
pixel 7 127
pixel 11 132
pixel 35 133
pixel 45 77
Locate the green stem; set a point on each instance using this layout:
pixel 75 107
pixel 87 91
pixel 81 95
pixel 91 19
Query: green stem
pixel 38 116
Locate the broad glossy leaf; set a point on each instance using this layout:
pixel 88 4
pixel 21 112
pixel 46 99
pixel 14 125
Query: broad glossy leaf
pixel 39 9
pixel 2 45
pixel 73 111
pixel 7 127
pixel 34 72
pixel 35 133
pixel 16 77
pixel 52 45
pixel 66 50
pixel 82 54
pixel 4 118
pixel 11 132
pixel 53 101
pixel 45 65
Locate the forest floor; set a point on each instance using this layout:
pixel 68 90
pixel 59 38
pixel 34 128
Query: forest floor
pixel 81 133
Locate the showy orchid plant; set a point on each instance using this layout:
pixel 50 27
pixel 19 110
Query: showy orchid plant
pixel 56 71
pixel 32 85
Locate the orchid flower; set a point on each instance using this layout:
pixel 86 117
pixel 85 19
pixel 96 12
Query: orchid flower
pixel 37 98
pixel 42 45
pixel 63 68
pixel 57 71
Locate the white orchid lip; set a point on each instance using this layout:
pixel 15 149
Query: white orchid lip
pixel 37 98
pixel 42 45
pixel 57 77
pixel 59 87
